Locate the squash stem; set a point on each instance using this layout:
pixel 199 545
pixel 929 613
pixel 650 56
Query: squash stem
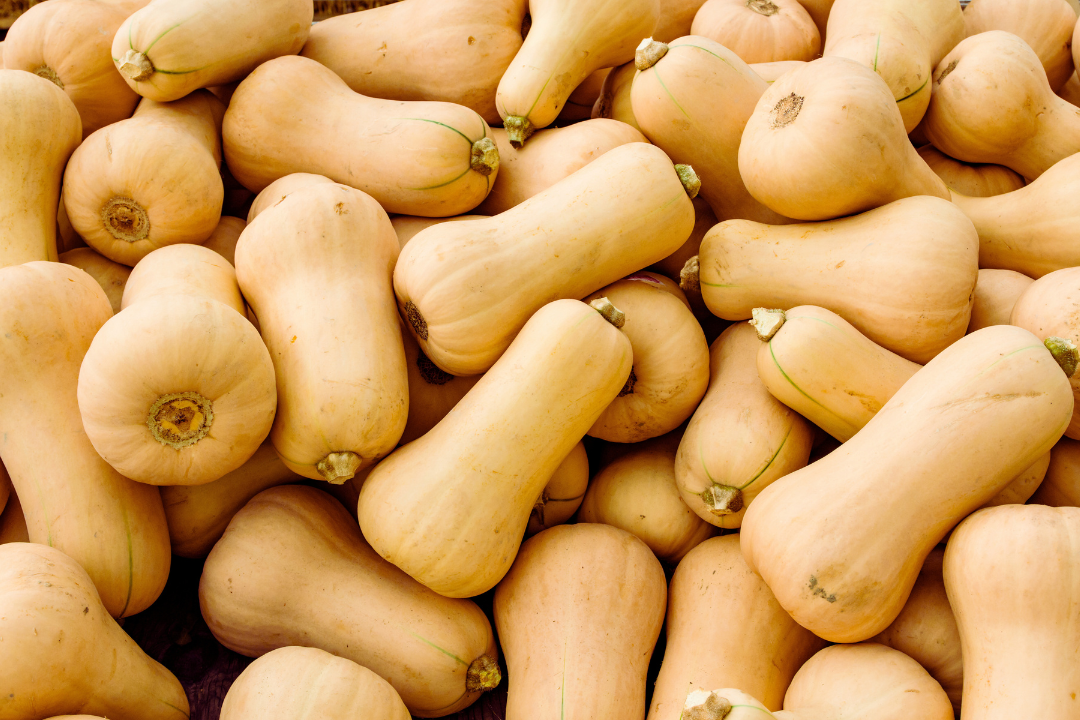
pixel 722 499
pixel 135 66
pixel 125 219
pixel 689 179
pixel 518 130
pixel 337 467
pixel 648 53
pixel 1065 352
pixel 612 314
pixel 690 276
pixel 767 322
pixel 180 419
pixel 713 707
pixel 483 674
pixel 485 156
pixel 49 74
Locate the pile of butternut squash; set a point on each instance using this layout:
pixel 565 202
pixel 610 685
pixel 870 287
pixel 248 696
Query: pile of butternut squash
pixel 479 344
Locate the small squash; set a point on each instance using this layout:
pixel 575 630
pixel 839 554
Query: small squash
pixel 919 466
pixel 563 494
pixel 578 616
pixel 1061 487
pixel 225 236
pixel 293 569
pixel 111 276
pixel 760 31
pixel 419 158
pixel 973 179
pixel 171 48
pixel 1046 25
pixel 449 50
pixel 293 682
pixel 278 190
pixel 614 102
pixel 149 181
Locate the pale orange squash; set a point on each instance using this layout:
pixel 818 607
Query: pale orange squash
pixel 1070 91
pixel 1045 25
pixel 996 294
pixel 569 578
pixel 671 266
pixel 432 392
pixel 276 191
pixel 760 31
pixel 770 72
pixel 66 237
pixel 974 179
pixel 111 276
pixel 1061 487
pixel 819 10
pixel 225 236
pixel 563 494
pixel 676 17
pixel 614 102
pixel 293 569
pixel 408 226
pixel 184 269
pixel 12 522
pixel 1024 485
pixel 580 103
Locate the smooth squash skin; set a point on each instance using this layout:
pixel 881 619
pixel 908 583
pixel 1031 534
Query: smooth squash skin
pixel 567 41
pixel 756 645
pixel 740 438
pixel 454 51
pixel 192 270
pixel 1032 230
pixel 992 103
pixel 39 129
pixel 676 17
pixel 1046 25
pixel 827 140
pixel 149 181
pixel 1014 642
pixel 1061 487
pixel 694 103
pixel 75 502
pixel 921 273
pixel 773 71
pixel 973 179
pixel 293 569
pixel 293 682
pixel 111 276
pixel 614 102
pixel 920 465
pixel 819 10
pixel 450 508
pixel 580 103
pixel 316 269
pixel 407 226
pixel 1070 91
pixel 225 236
pixel 760 31
pixel 618 214
pixel 418 158
pixel 578 616
pixel 171 48
pixel 432 392
pixel 563 494
pixel 671 267
pixel 278 190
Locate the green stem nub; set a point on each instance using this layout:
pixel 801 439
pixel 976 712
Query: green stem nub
pixel 518 130
pixel 483 674
pixel 337 467
pixel 767 321
pixel 1065 352
pixel 712 707
pixel 612 314
pixel 689 179
pixel 690 276
pixel 648 53
pixel 722 499
pixel 135 66
pixel 485 156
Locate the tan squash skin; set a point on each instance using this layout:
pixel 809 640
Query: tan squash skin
pixel 294 682
pixel 694 103
pixel 172 47
pixel 1023 486
pixel 671 266
pixel 13 523
pixel 111 276
pixel 614 102
pixel 1070 91
pixel 567 42
pixel 973 179
pixel 756 646
pixel 550 156
pixel 1061 487
pixel 770 72
pixel 432 392
pixel 1016 642
pixel 316 269
pixel 740 438
pixel 827 140
pixel 921 464
pixel 39 129
pixel 580 103
pixel 563 494
pixel 77 503
pixel 992 103
pixel 676 17
pixel 452 51
pixel 1045 25
pixel 149 181
pixel 408 226
pixel 901 41
pixel 225 236
pixel 192 270
pixel 65 654
pixel 819 10
pixel 578 616
pixel 761 31
pixel 293 569
pixel 417 158
pixel 278 190
pixel 451 507
pixel 1032 230
pixel 618 214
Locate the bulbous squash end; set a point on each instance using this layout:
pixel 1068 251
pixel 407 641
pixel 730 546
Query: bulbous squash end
pixel 612 314
pixel 49 74
pixel 337 467
pixel 180 420
pixel 125 219
pixel 518 130
pixel 722 499
pixel 483 674
pixel 705 705
pixel 135 66
pixel 767 322
pixel 1065 352
pixel 485 156
pixel 690 276
pixel 648 53
pixel 689 179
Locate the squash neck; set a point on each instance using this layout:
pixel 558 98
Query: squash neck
pixel 1057 129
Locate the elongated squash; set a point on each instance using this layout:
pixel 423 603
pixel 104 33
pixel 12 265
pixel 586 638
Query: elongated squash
pixel 452 51
pixel 614 216
pixel 1046 25
pixel 671 267
pixel 760 31
pixel 614 102
pixel 111 276
pixel 1070 91
pixel 1061 487
pixel 974 179
pixel 293 569
pixel 920 465
pixel 149 181
pixel 408 226
pixel 450 508
pixel 39 129
pixel 580 103
pixel 171 48
pixel 569 578
pixel 563 493
pixel 921 272
pixel 432 392
pixel 418 158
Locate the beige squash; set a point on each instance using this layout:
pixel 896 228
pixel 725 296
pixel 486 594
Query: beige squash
pixel 1070 91
pixel 1045 25
pixel 580 103
pixel 432 392
pixel 760 31
pixel 1061 487
pixel 819 10
pixel 408 226
pixel 671 267
pixel 772 71
pixel 996 293
pixel 278 190
pixel 225 236
pixel 676 17
pixel 191 270
pixel 111 276
pixel 614 102
pixel 974 179
pixel 563 493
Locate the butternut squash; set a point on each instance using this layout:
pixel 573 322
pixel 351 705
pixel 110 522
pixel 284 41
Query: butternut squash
pixel 111 276
pixel 760 31
pixel 1032 230
pixel 676 17
pixel 191 270
pixel 171 48
pixel 65 654
pixel 1015 641
pixel 1070 91
pixel 694 103
pixel 819 10
pixel 974 179
pixel 921 274
pixel 580 103
pixel 225 236
pixel 740 438
pixel 1045 25
pixel 992 103
pixel 428 50
pixel 919 466
pixel 292 682
pixel 621 212
pixel 419 158
pixel 276 191
pixel 770 72
pixel 567 579
pixel 756 645
pixel 13 522
pixel 552 155
pixel 76 502
pixel 316 269
pixel 563 493
pixel 671 266
pixel 408 226
pixel 149 181
pixel 39 129
pixel 827 140
pixel 1061 487
pixel 293 569
pixel 432 392
pixel 450 508
pixel 1023 486
pixel 66 237
pixel 614 102
pixel 567 42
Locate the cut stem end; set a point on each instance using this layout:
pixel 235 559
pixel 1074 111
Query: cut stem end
pixel 485 156
pixel 49 74
pixel 518 130
pixel 1065 352
pixel 690 276
pixel 180 420
pixel 767 321
pixel 711 707
pixel 648 53
pixel 689 179
pixel 612 314
pixel 125 219
pixel 722 499
pixel 135 66
pixel 483 674
pixel 337 467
